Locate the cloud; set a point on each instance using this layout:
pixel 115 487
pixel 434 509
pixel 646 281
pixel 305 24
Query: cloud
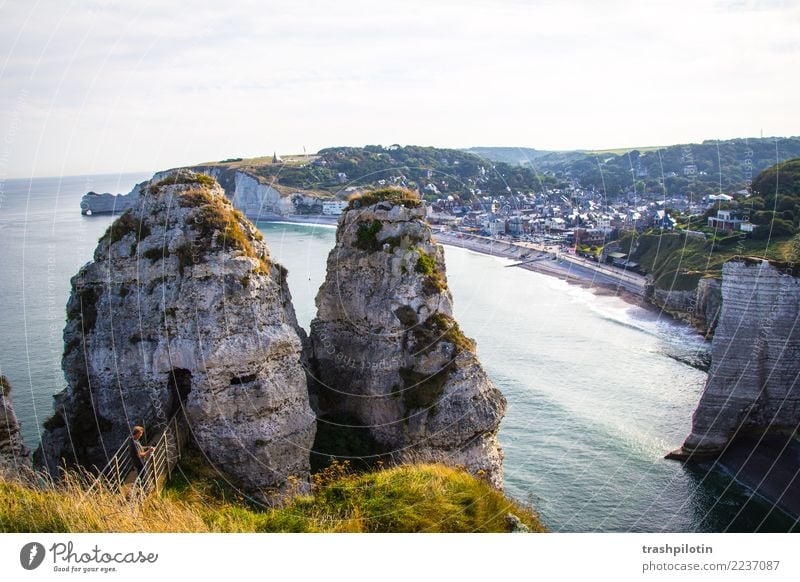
pixel 132 85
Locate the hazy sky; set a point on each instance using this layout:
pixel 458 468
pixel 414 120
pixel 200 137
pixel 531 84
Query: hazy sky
pixel 101 87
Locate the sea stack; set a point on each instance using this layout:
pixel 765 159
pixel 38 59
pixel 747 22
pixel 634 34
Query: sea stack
pixel 392 373
pixel 15 458
pixel 752 386
pixel 183 309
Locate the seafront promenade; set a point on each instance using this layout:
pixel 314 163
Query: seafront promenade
pixel 550 260
pixel 541 258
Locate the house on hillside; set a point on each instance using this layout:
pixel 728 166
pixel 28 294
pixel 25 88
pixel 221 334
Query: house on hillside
pixel 730 220
pixel 663 220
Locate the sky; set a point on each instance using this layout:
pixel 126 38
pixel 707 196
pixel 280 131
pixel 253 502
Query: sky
pixel 89 87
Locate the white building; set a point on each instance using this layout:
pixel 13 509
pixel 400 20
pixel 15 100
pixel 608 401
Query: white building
pixel 333 207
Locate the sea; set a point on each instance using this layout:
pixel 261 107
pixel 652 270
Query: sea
pixel 598 389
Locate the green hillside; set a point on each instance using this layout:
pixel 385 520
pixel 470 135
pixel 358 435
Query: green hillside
pixel 699 169
pixel 677 261
pixel 695 170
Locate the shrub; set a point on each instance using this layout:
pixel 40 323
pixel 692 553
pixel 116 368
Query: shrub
pixel 184 177
pixel 425 265
pixel 434 281
pixel 393 195
pixel 222 226
pixel 779 228
pixel 447 329
pixel 367 236
pixel 125 225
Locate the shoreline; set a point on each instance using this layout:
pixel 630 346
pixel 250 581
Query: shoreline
pixel 599 279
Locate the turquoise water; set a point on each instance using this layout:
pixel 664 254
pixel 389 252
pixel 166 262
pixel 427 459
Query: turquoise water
pixel 596 396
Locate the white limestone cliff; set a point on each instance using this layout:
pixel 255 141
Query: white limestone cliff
pixel 752 386
pixel 387 355
pixel 182 307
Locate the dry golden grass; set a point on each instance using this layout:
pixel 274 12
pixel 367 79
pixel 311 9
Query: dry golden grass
pixel 408 498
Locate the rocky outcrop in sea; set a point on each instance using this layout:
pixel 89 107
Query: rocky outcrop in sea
pixel 182 308
pixel 15 457
pixel 752 386
pixel 392 373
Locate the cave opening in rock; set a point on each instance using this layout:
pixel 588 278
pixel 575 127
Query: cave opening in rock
pixel 180 384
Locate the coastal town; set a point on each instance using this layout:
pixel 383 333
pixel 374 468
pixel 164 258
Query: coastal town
pixel 580 230
pixel 553 222
pixel 572 231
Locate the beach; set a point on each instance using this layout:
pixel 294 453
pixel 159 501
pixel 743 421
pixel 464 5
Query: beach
pixel 601 279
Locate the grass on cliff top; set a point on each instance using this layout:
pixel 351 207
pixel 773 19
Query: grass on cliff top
pixel 409 498
pixel 184 177
pixel 217 221
pixel 393 195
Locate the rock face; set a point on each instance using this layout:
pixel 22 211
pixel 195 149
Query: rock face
pixel 14 455
pixel 182 307
pixel 753 383
pixel 699 307
pixel 387 356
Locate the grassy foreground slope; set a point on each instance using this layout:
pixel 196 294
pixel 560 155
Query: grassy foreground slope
pixel 408 498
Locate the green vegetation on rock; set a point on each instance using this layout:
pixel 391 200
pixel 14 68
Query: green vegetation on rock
pixel 446 329
pixel 125 225
pixel 422 390
pixel 367 236
pixel 434 281
pixel 393 195
pixel 183 177
pixel 219 223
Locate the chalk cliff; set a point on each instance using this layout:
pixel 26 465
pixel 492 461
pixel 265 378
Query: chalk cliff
pixel 699 307
pixel 107 203
pixel 182 307
pixel 388 359
pixel 254 198
pixel 752 385
pixel 14 455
